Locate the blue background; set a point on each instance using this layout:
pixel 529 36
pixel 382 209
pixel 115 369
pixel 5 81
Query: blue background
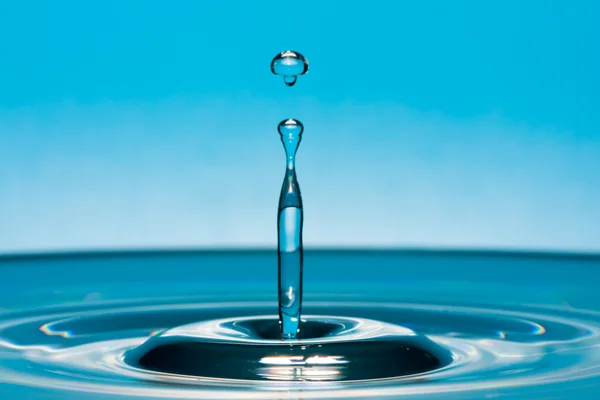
pixel 128 124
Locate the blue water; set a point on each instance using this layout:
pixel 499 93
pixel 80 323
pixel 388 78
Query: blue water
pixel 518 326
pixel 289 228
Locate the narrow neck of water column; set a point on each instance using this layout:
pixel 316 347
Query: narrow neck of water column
pixel 291 135
pixel 291 146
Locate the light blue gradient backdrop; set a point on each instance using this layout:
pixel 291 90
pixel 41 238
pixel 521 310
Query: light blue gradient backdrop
pixel 427 124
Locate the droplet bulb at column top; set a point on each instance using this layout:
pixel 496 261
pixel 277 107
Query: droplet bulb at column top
pixel 291 135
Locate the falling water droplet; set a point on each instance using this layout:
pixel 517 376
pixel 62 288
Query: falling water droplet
pixel 290 65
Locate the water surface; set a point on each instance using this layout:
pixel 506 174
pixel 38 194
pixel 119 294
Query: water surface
pixel 518 326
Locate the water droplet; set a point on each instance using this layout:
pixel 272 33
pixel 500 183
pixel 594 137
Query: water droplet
pixel 290 65
pixel 290 128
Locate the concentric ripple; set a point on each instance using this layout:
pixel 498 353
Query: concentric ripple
pixel 77 349
pixel 67 335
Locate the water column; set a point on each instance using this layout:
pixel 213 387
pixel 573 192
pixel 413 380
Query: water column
pixel 289 228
